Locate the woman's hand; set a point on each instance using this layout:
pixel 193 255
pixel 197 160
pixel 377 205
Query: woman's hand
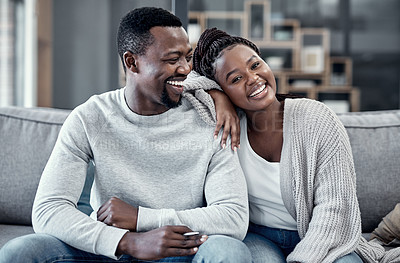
pixel 227 119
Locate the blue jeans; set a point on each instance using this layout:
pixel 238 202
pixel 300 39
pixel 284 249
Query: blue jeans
pixel 274 245
pixel 41 248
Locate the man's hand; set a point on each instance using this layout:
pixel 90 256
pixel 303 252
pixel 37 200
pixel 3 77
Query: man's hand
pixel 116 212
pixel 167 241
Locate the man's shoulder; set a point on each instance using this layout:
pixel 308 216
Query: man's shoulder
pixel 193 116
pixel 101 103
pixel 96 109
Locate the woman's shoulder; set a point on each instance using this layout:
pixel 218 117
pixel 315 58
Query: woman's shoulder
pixel 307 109
pixel 310 115
pixel 302 105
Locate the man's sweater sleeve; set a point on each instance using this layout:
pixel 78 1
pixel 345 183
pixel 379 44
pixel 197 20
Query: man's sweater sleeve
pixel 225 193
pixel 55 207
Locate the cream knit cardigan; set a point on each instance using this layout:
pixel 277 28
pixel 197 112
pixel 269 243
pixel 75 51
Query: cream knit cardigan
pixel 318 181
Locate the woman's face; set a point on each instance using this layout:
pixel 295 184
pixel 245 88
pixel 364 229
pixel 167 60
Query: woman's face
pixel 245 78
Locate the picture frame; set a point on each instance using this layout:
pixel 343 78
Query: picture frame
pixel 312 59
pixel 314 56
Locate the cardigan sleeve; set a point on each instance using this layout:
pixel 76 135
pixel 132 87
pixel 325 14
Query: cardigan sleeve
pixel 328 215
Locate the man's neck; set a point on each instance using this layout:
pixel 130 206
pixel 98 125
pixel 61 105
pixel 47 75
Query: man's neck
pixel 140 105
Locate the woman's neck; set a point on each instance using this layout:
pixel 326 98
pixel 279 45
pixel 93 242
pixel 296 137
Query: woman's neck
pixel 266 121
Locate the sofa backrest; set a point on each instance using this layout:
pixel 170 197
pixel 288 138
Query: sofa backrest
pixel 375 141
pixel 27 137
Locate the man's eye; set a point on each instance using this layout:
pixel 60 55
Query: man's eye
pixel 173 60
pixel 236 79
pixel 255 65
pixel 189 58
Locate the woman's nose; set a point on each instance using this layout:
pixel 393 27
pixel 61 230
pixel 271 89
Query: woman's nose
pixel 252 79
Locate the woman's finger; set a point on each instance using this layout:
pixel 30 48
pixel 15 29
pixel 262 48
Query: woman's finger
pixel 225 134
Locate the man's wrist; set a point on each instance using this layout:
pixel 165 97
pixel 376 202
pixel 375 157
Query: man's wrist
pixel 122 247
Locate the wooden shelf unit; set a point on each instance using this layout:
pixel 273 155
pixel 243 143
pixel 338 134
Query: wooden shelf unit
pixel 299 57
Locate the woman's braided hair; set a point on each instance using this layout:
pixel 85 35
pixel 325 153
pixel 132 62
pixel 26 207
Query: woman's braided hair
pixel 209 47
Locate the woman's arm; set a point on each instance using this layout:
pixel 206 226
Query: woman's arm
pixel 226 115
pixel 327 211
pixel 227 119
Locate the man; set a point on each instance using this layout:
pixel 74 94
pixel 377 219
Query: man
pixel 159 175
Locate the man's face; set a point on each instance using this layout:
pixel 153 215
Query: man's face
pixel 163 68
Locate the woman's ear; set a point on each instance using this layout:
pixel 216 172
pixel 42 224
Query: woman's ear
pixel 130 62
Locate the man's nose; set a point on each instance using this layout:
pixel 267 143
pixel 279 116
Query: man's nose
pixel 185 67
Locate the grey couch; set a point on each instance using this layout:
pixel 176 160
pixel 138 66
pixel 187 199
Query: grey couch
pixel 27 137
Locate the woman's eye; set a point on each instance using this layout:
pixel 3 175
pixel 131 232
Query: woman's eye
pixel 236 79
pixel 255 65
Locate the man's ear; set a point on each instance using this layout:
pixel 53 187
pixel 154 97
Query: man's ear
pixel 130 61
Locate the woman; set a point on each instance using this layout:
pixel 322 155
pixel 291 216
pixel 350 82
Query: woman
pixel 295 154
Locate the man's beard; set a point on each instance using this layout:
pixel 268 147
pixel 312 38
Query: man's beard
pixel 167 102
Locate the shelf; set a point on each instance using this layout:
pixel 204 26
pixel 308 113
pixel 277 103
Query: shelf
pixel 257 20
pixel 285 30
pixel 341 71
pixel 297 55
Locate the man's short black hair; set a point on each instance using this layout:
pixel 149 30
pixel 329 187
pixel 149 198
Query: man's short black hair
pixel 134 29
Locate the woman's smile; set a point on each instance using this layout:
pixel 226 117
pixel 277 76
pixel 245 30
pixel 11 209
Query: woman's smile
pixel 259 91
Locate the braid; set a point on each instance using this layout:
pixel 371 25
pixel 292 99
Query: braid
pixel 210 46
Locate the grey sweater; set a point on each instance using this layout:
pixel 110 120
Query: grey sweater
pixel 168 165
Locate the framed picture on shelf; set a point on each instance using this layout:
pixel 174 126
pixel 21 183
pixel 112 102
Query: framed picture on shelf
pixel 314 50
pixel 312 59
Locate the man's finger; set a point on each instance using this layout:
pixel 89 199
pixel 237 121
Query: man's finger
pixel 176 252
pixel 102 209
pixel 102 216
pixel 179 229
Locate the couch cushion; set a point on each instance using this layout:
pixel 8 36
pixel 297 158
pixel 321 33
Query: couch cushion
pixel 375 142
pixel 9 232
pixel 27 137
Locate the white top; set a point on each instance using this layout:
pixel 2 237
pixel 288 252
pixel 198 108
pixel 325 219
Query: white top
pixel 263 183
